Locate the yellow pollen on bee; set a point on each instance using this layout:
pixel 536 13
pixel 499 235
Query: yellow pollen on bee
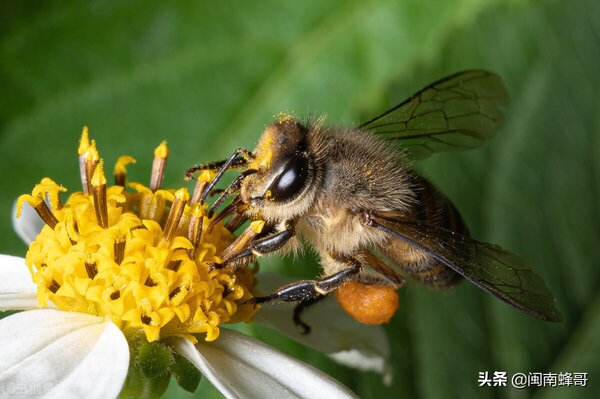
pixel 282 117
pixel 264 152
pixel 265 161
pixel 262 160
pixel 99 254
pixel 257 226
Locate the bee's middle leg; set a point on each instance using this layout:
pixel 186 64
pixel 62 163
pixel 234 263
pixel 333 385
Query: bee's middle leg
pixel 299 310
pixel 306 290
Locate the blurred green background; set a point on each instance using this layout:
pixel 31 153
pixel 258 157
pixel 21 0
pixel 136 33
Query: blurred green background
pixel 208 77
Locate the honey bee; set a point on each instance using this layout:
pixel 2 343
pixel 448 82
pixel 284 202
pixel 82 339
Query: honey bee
pixel 351 194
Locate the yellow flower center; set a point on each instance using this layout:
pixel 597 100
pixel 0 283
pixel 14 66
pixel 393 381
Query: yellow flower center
pixel 145 259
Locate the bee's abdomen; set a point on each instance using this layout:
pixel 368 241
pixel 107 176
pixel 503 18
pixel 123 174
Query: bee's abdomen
pixel 420 265
pixel 432 208
pixel 437 275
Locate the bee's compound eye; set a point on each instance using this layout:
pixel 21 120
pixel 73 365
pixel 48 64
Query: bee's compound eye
pixel 292 180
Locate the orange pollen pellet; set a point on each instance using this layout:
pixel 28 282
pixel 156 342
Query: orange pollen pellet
pixel 368 304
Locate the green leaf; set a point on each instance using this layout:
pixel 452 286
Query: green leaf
pixel 137 385
pixel 155 359
pixel 149 374
pixel 186 375
pixel 533 189
pixel 579 355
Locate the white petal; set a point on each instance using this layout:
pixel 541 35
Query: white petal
pixel 242 367
pixel 17 290
pixel 358 360
pixel 332 331
pixel 51 353
pixel 29 225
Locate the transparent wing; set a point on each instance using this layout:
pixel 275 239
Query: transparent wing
pixel 455 113
pixel 488 266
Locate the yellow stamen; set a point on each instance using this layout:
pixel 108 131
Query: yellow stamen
pixel 87 164
pixel 119 250
pixel 53 286
pixel 46 188
pixel 152 204
pixel 174 265
pixel 98 178
pixel 52 190
pixel 91 270
pixel 203 180
pixel 244 239
pixel 198 190
pixel 158 166
pixel 84 141
pixel 114 254
pixel 120 171
pixel 84 146
pixel 195 229
pixel 177 208
pixel 99 193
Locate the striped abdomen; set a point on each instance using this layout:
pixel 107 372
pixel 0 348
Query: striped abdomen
pixel 432 208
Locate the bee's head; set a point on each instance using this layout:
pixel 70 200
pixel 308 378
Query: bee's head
pixel 283 186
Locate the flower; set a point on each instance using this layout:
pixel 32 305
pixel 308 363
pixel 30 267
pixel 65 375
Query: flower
pixel 128 291
pixel 142 260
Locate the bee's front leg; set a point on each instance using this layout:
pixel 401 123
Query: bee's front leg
pixel 306 290
pixel 265 245
pixel 232 163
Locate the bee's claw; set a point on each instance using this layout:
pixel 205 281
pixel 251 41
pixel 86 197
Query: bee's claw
pixel 305 327
pixel 214 265
pixel 258 300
